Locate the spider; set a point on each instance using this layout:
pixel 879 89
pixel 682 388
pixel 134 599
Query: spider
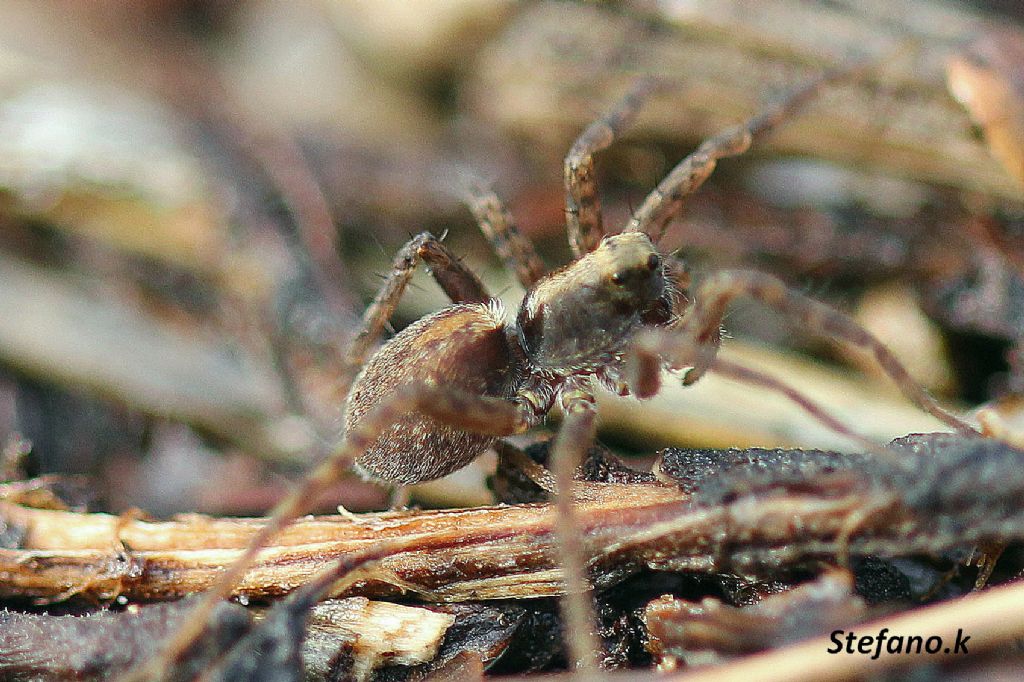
pixel 462 377
pixel 449 386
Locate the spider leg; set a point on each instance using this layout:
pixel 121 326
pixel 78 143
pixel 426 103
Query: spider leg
pixel 575 436
pixel 514 249
pixel 489 416
pixel 582 204
pixel 643 376
pixel 457 281
pixel 697 341
pixel 664 200
pixel 756 378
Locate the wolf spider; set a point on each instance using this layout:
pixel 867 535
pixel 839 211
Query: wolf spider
pixel 447 387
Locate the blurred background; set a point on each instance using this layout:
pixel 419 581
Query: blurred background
pixel 198 198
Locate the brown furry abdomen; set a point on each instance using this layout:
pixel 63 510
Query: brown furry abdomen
pixel 463 347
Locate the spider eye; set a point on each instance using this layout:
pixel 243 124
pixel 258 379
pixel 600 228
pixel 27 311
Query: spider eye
pixel 618 278
pixel 653 262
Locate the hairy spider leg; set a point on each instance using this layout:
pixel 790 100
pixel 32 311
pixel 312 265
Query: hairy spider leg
pixel 458 282
pixel 754 377
pixel 497 225
pixel 575 436
pixel 664 201
pixel 696 345
pixel 644 361
pixel 488 416
pixel 582 203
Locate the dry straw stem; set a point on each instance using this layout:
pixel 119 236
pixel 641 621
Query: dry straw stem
pixel 755 513
pixel 454 555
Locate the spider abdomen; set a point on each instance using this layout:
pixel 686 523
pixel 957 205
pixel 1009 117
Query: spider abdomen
pixel 463 347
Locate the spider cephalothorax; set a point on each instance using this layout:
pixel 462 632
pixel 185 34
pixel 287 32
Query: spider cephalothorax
pixel 581 316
